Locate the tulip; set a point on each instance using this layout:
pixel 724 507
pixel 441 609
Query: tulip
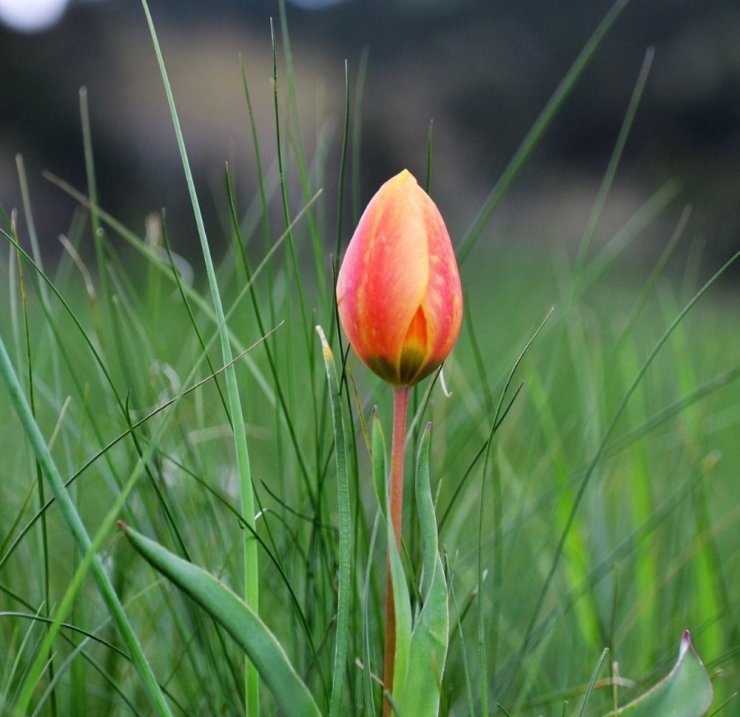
pixel 400 303
pixel 398 289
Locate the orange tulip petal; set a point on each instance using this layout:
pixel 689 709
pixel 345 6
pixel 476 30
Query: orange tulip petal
pixel 385 272
pixel 398 290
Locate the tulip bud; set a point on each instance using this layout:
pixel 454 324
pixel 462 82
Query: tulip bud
pixel 398 290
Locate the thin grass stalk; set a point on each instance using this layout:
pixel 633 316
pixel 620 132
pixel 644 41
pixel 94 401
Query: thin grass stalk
pixel 293 272
pixel 260 185
pixel 481 623
pixel 537 131
pixel 470 701
pixel 37 465
pixel 345 532
pixel 620 241
pixel 592 682
pixel 611 170
pixel 92 192
pixel 296 272
pixel 251 557
pixel 651 281
pixel 428 177
pixel 42 287
pixel 36 253
pixel 357 134
pixel 342 172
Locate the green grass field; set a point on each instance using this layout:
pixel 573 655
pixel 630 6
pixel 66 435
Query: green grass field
pixel 602 511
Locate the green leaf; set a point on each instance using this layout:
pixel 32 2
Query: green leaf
pixel 238 619
pixel 417 689
pixel 431 631
pixel 684 692
pixel 402 604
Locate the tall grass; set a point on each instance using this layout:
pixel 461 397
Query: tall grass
pixel 587 500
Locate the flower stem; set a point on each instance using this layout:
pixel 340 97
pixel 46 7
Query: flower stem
pixel 400 409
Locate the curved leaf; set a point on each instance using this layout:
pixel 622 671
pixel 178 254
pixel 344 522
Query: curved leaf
pixel 684 692
pixel 239 620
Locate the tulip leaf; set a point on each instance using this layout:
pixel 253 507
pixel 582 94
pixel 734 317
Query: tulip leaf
pixel 402 605
pixel 685 691
pixel 417 678
pixel 238 619
pixel 428 650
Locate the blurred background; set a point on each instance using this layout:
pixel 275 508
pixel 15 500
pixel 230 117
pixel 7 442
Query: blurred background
pixel 480 69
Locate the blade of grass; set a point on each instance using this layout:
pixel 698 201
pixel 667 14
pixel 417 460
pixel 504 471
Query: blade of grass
pixel 611 170
pixel 251 564
pixel 458 623
pixel 37 465
pixel 428 177
pixel 36 253
pixel 367 674
pixel 258 162
pixel 342 169
pixel 357 134
pixel 535 134
pixel 646 214
pixel 300 163
pixel 344 598
pixel 651 281
pixel 92 190
pixel 592 682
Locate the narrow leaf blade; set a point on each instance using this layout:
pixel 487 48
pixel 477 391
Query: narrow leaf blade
pixel 344 597
pixel 239 620
pixel 428 649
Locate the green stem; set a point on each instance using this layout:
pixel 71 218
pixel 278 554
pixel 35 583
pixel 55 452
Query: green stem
pixel 400 409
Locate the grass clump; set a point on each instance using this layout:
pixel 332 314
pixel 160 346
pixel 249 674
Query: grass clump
pixel 585 500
